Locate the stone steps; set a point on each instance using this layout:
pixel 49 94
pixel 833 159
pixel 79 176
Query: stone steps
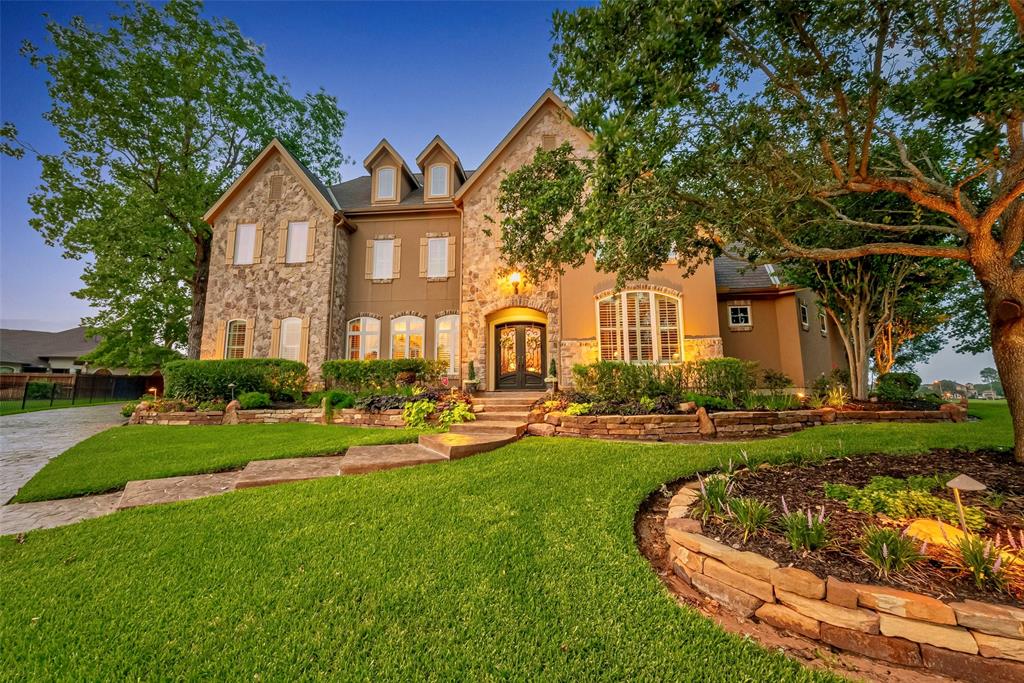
pixel 502 416
pixel 513 428
pixel 454 445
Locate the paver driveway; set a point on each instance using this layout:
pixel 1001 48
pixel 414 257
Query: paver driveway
pixel 29 440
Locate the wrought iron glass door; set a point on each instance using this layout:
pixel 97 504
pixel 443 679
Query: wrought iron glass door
pixel 520 356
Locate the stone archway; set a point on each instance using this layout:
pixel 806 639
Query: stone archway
pixel 479 331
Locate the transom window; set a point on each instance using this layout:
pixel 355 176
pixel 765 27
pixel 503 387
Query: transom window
pixel 446 342
pixel 437 257
pixel 640 327
pixel 363 339
pixel 739 315
pixel 386 183
pixel 245 244
pixel 439 180
pixel 407 337
pixel 298 237
pixel 291 338
pixel 234 339
pixel 383 259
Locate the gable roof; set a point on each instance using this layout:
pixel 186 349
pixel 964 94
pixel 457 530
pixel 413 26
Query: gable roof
pixel 549 96
pixel 732 276
pixel 32 347
pixel 314 185
pixel 385 145
pixel 439 142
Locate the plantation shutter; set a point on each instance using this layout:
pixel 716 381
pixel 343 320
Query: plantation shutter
pixel 369 259
pixel 668 328
pixel 310 240
pixel 396 264
pixel 424 242
pixel 229 251
pixel 609 328
pixel 218 349
pixel 275 338
pixel 304 341
pixel 451 257
pixel 250 324
pixel 257 251
pixel 282 241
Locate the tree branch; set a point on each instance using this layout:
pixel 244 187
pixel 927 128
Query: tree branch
pixel 876 86
pixel 899 229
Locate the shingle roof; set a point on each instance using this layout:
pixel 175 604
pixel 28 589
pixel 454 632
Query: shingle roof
pixel 733 275
pixel 31 347
pixel 355 193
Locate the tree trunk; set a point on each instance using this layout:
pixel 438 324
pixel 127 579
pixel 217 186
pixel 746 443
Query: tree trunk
pixel 1007 316
pixel 200 281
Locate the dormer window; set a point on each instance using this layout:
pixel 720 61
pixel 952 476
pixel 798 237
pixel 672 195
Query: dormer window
pixel 438 180
pixel 385 183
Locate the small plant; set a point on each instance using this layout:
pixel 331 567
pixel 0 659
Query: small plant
pixel 836 397
pixel 456 411
pixel 552 369
pixel 579 408
pixel 749 514
pixel 815 402
pixel 415 413
pixel 251 400
pixel 803 529
pixel 775 381
pixel 471 372
pixel 211 405
pixel 983 561
pixel 904 499
pixel 889 550
pixel 129 408
pixel 647 404
pixel 713 496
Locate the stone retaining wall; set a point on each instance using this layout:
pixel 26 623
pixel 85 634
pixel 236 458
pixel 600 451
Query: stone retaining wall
pixel 736 424
pixel 234 415
pixel 353 416
pixel 968 640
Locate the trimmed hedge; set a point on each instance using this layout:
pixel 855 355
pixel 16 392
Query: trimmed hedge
pixel 207 380
pixel 37 391
pixel 731 379
pixel 362 375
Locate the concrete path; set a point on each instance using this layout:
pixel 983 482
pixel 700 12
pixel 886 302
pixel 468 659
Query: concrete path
pixel 30 440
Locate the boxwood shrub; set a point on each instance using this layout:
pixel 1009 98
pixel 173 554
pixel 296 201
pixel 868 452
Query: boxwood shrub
pixel 898 386
pixel 730 379
pixel 379 375
pixel 206 380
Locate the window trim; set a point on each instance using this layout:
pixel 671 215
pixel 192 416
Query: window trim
pixel 234 249
pixel 446 191
pixel 409 334
pixel 805 316
pixel 303 255
pixel 227 337
pixel 298 341
pixel 454 360
pixel 822 324
pixel 377 196
pixel 621 326
pixel 362 333
pixel 390 274
pixel 446 266
pixel 740 325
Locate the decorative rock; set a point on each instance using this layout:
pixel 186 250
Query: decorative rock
pixel 828 415
pixel 759 589
pixel 535 415
pixel 553 418
pixel 540 429
pixel 956 413
pixel 735 601
pixel 787 619
pixel 856 619
pixel 971 668
pixel 905 604
pixel 841 593
pixel 687 407
pixel 997 646
pixel 998 620
pixel 751 564
pixel 684 497
pixel 949 637
pixel 798 581
pixel 707 427
pixel 693 562
pixel 895 650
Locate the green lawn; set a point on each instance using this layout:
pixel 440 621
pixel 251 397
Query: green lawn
pixel 34 405
pixel 516 564
pixel 110 459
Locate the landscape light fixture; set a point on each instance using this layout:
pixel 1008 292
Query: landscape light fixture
pixel 231 386
pixel 963 483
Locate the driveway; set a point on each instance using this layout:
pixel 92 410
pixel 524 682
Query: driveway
pixel 29 440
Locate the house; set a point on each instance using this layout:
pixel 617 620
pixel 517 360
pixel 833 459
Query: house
pixel 38 351
pixel 404 262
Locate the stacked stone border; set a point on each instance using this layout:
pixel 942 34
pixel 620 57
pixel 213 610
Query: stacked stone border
pixel 736 424
pixel 234 415
pixel 966 640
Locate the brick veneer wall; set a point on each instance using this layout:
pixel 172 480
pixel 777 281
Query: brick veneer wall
pixel 969 640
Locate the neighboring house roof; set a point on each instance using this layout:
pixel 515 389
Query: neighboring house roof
pixel 732 275
pixel 354 195
pixel 313 184
pixel 33 347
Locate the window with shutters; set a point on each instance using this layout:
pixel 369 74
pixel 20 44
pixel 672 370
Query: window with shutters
pixel 385 183
pixel 407 337
pixel 290 339
pixel 234 339
pixel 383 259
pixel 437 257
pixel 438 180
pixel 640 327
pixel 446 342
pixel 245 244
pixel 276 187
pixel 363 339
pixel 298 235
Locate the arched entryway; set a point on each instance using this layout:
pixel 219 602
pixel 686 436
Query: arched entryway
pixel 517 349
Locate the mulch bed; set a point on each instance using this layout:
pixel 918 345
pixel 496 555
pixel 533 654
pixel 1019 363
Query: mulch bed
pixel 802 487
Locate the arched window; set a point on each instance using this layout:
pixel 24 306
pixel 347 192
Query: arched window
pixel 446 342
pixel 234 340
pixel 290 339
pixel 439 180
pixel 640 327
pixel 407 337
pixel 363 339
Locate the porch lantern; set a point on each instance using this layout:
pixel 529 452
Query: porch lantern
pixel 514 278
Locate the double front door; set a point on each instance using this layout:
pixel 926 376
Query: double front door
pixel 521 355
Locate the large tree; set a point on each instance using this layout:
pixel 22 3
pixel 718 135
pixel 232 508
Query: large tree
pixel 158 113
pixel 742 123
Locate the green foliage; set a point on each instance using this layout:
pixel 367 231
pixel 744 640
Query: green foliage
pixel 836 397
pixel 415 413
pixel 336 399
pixel 905 499
pixel 898 386
pixel 552 368
pixel 983 561
pixel 647 404
pixel 40 390
pixel 803 529
pixel 128 408
pixel 889 550
pixel 211 405
pixel 709 402
pixel 772 402
pixel 453 412
pixel 839 377
pixel 204 380
pixel 775 380
pixel 579 408
pixel 713 495
pixel 471 372
pixel 729 379
pixel 749 514
pixel 379 375
pixel 254 399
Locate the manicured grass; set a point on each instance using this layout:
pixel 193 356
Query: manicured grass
pixel 516 564
pixel 110 459
pixel 32 406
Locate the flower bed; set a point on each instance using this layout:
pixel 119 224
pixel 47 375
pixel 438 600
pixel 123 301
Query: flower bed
pixel 832 593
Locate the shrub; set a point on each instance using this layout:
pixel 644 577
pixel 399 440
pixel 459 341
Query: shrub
pixel 128 408
pixel 335 399
pixel 709 402
pixel 904 499
pixel 898 386
pixel 471 372
pixel 379 375
pixel 983 561
pixel 378 403
pixel 836 397
pixel 839 377
pixel 37 391
pixel 207 380
pixel 215 404
pixel 579 408
pixel 888 549
pixel 803 529
pixel 552 368
pixel 254 399
pixel 713 495
pixel 749 514
pixel 455 411
pixel 775 380
pixel 729 379
pixel 415 413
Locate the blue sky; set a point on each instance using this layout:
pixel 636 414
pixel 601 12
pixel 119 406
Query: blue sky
pixel 376 58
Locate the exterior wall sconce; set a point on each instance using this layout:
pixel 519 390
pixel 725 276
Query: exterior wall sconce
pixel 515 278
